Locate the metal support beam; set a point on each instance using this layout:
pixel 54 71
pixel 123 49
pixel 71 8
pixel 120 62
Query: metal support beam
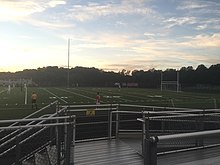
pixel 18 151
pixel 110 124
pixel 150 156
pixel 117 124
pixel 143 132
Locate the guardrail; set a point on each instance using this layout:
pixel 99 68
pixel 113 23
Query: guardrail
pixel 8 136
pixel 170 121
pixel 113 119
pixel 12 135
pixel 150 155
pixel 19 142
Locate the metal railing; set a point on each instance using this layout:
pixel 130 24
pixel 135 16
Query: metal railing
pixel 10 135
pixel 151 144
pixel 160 123
pixel 33 134
pixel 92 120
pixel 111 121
pixel 197 126
pixel 56 122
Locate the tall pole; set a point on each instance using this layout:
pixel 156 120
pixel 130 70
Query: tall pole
pixel 161 80
pixel 68 71
pixel 178 81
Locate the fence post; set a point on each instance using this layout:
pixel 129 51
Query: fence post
pixel 117 124
pixel 200 127
pixel 67 140
pixel 18 150
pixel 58 142
pixel 110 124
pixel 147 123
pixel 215 103
pixel 73 140
pixel 163 124
pixel 150 156
pixel 143 132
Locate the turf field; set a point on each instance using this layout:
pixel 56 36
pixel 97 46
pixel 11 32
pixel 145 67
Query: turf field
pixel 12 105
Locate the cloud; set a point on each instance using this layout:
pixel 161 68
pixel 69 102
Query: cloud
pixel 201 27
pixel 94 10
pixel 16 9
pixel 200 7
pixel 191 5
pixel 13 10
pixel 49 24
pixel 174 21
pixel 203 41
pixel 54 3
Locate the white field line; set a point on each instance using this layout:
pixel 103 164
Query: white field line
pixel 119 93
pixel 77 94
pixel 55 95
pixel 134 94
pixel 3 91
pixel 105 92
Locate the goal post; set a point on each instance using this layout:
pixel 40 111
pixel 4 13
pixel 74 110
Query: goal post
pixel 170 84
pixel 25 94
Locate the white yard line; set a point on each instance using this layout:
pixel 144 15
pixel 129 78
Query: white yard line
pixel 3 91
pixel 55 95
pixel 118 94
pixel 91 98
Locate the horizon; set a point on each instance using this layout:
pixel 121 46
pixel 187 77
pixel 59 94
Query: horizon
pixel 109 35
pixel 194 68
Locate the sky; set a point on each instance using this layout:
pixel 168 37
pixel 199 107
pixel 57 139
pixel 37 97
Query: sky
pixel 109 34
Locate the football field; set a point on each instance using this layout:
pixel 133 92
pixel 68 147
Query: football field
pixel 16 103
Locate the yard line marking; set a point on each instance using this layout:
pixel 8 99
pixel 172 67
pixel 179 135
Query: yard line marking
pixel 3 91
pixel 55 95
pixel 119 93
pixel 76 94
pixel 106 92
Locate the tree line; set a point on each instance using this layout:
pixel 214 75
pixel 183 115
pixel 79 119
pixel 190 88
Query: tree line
pixel 93 77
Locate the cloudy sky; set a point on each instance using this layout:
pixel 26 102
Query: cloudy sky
pixel 109 34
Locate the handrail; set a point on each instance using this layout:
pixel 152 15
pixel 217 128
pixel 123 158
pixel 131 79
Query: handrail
pixel 98 109
pixel 38 111
pixel 91 105
pixel 40 119
pixel 156 107
pixel 36 125
pixel 55 102
pixel 150 154
pixel 12 133
pixel 31 119
pixel 132 112
pixel 163 138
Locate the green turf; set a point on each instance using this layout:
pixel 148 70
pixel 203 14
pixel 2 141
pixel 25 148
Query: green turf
pixel 13 105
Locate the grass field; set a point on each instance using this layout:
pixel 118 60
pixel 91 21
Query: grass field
pixel 12 105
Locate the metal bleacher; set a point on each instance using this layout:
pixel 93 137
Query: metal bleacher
pixel 118 134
